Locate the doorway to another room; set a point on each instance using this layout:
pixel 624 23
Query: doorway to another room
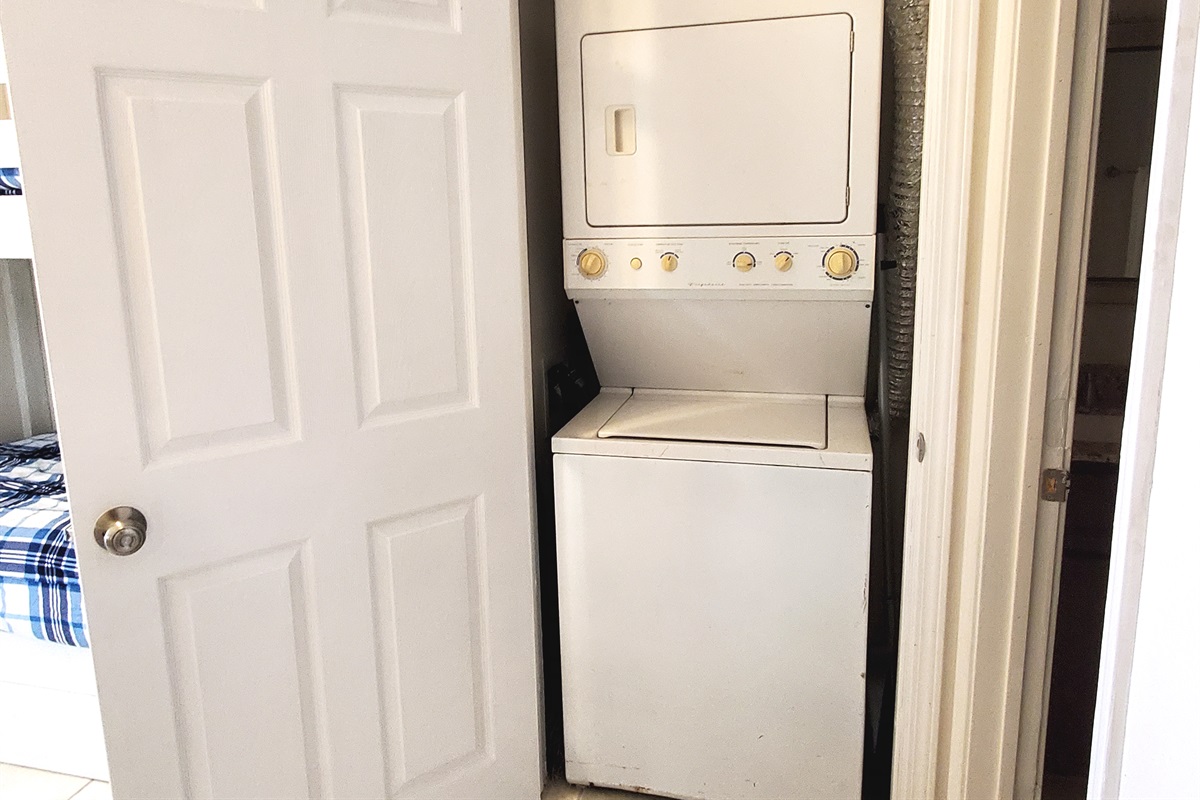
pixel 1124 141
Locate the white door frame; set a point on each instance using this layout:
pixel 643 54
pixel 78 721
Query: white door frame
pixel 996 330
pixel 996 142
pixel 1083 122
pixel 945 187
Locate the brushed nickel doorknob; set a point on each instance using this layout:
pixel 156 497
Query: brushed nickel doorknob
pixel 121 530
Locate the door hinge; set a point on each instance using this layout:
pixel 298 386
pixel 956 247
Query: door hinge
pixel 847 197
pixel 851 41
pixel 1055 485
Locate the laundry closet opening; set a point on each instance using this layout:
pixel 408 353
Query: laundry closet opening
pixel 722 248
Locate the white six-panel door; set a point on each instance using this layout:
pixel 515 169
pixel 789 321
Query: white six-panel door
pixel 279 253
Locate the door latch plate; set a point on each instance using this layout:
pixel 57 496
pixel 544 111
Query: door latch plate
pixel 1055 485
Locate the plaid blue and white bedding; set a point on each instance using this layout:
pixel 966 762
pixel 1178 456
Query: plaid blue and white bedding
pixel 39 576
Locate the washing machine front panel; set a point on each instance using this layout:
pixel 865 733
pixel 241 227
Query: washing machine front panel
pixel 713 622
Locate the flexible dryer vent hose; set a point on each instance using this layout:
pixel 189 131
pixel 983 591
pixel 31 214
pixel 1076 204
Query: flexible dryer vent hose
pixel 907 25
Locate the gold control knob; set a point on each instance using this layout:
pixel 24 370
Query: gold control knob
pixel 743 262
pixel 784 261
pixel 840 263
pixel 669 262
pixel 635 263
pixel 592 263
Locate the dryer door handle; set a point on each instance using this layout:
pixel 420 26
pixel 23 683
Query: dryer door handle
pixel 620 130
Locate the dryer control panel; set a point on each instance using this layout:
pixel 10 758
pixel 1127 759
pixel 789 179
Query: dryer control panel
pixel 837 266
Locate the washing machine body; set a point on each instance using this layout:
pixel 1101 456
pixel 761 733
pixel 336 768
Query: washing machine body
pixel 713 558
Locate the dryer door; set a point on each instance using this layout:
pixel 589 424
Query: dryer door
pixel 739 123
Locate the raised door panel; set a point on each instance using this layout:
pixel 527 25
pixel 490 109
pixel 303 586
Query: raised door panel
pixel 194 176
pixel 243 650
pixel 403 165
pixel 427 577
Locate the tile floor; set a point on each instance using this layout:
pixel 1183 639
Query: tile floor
pixel 23 783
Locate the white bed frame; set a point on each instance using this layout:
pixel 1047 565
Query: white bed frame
pixel 51 714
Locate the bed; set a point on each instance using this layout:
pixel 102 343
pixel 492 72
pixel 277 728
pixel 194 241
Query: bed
pixel 47 683
pixel 40 594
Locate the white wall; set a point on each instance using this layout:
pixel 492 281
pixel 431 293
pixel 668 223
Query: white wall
pixel 24 393
pixel 15 240
pixel 1161 757
pixel 1147 731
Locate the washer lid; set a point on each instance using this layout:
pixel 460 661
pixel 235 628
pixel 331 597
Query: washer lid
pixel 732 417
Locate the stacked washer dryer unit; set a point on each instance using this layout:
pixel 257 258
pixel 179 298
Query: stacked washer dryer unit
pixel 713 503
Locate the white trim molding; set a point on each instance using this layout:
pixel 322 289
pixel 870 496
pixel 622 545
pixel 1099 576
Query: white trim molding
pixel 1083 122
pixel 995 142
pixel 937 336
